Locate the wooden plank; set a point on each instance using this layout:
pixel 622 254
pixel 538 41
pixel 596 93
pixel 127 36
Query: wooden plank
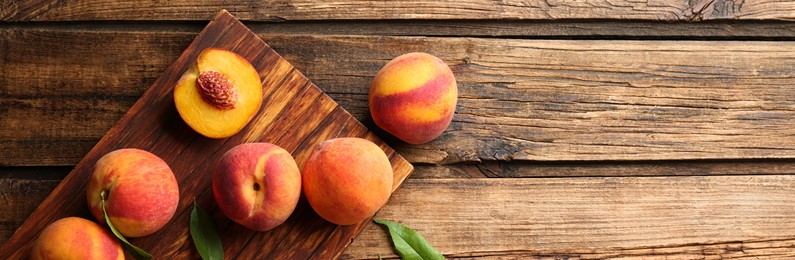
pixel 293 116
pixel 525 29
pixel 498 169
pixel 19 198
pixel 709 216
pixel 675 217
pixel 677 10
pixel 568 29
pixel 540 100
pixel 747 249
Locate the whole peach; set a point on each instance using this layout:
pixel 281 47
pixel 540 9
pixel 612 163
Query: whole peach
pixel 413 97
pixel 257 185
pixel 346 180
pixel 140 190
pixel 76 238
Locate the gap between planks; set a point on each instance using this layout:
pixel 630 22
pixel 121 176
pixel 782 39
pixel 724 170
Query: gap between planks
pixel 527 169
pixel 720 30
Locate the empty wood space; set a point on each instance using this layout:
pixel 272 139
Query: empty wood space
pixel 593 217
pixel 584 129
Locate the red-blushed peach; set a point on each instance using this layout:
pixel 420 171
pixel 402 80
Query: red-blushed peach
pixel 257 185
pixel 346 180
pixel 76 238
pixel 413 97
pixel 140 190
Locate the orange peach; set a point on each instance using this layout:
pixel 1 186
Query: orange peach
pixel 346 180
pixel 413 97
pixel 219 94
pixel 141 193
pixel 76 238
pixel 257 185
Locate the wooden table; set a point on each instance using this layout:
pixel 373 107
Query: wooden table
pixel 588 129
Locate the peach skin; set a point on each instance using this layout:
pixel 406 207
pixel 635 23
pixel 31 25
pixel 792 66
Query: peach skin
pixel 140 190
pixel 346 180
pixel 413 97
pixel 76 238
pixel 257 185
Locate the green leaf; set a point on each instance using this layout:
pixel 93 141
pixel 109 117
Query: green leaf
pixel 410 244
pixel 205 234
pixel 130 248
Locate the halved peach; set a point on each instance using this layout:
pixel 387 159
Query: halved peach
pixel 219 94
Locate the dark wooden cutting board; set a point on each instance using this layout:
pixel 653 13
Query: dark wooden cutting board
pixel 295 115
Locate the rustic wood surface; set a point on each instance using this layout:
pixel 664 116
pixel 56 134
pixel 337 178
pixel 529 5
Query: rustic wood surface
pixel 594 217
pixel 48 10
pixel 595 129
pixel 545 100
pixel 295 115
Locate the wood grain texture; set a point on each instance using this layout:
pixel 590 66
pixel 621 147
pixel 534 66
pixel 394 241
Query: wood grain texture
pixel 524 29
pixel 584 100
pixel 573 218
pixel 585 129
pixel 19 198
pixel 562 208
pixel 518 169
pixel 539 100
pixel 295 115
pixel 674 10
pixel 568 29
